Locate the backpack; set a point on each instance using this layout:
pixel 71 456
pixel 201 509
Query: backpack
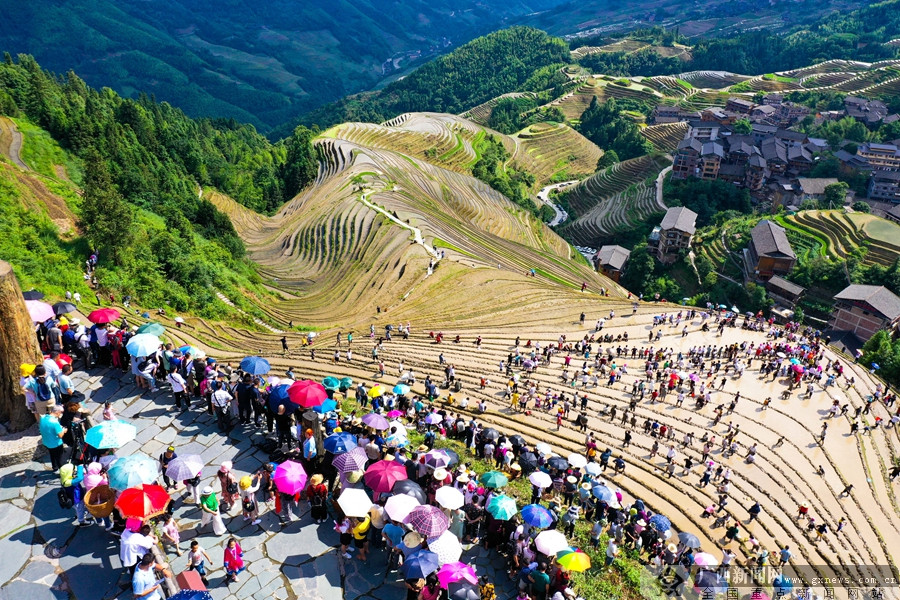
pixel 64 501
pixel 44 393
pixel 316 499
pixel 249 505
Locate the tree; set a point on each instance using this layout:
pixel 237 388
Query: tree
pixel 835 194
pixel 604 125
pixel 106 218
pixel 640 270
pixel 860 206
pixel 608 159
pixel 300 164
pixel 742 126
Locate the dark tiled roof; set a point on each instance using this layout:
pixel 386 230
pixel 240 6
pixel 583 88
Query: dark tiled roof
pixel 877 296
pixel 769 239
pixel 680 218
pixel 612 256
pixel 781 284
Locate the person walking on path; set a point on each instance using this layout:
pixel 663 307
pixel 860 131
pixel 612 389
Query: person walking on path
pixel 52 434
pixel 196 562
pixel 164 459
pixel 233 561
pixel 209 504
pixel 846 491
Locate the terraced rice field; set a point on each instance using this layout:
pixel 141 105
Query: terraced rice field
pixel 712 79
pixel 613 200
pixel 481 113
pixel 842 233
pixel 665 137
pixel 762 83
pixel 555 149
pixel 828 66
pixel 576 102
pixel 668 86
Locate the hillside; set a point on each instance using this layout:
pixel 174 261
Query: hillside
pixel 261 65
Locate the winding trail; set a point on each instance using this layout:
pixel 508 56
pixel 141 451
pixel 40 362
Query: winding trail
pixel 417 233
pixel 659 187
pixel 256 320
pixel 544 196
pixel 12 139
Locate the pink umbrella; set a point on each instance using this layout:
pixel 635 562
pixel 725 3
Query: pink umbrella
pixel 382 476
pixel 290 477
pixel 428 520
pixel 307 393
pixel 456 571
pixel 39 311
pixel 694 377
pixel 394 414
pixel 354 460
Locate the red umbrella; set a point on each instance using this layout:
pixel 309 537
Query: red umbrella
pixel 382 476
pixel 307 393
pixel 428 520
pixel 62 360
pixel 104 315
pixel 148 500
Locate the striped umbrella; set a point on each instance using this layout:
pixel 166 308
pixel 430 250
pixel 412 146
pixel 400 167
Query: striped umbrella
pixel 428 520
pixel 355 460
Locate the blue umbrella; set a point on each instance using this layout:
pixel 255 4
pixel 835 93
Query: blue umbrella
pixel 338 443
pixel 326 407
pixel 876 366
pixel 537 516
pixel 142 344
pixel 420 564
pixel 278 395
pixel 331 383
pixel 604 494
pixel 255 365
pixel 660 523
pixel 191 595
pixel 710 581
pixel 401 389
pixel 782 585
pixel 132 471
pixel 110 434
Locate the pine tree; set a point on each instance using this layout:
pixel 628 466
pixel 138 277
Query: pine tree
pixel 105 217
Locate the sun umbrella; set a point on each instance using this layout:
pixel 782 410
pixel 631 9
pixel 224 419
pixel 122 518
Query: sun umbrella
pixel 604 494
pixel 278 395
pixel 456 571
pixel 517 440
pixel 375 391
pixel 354 460
pixel 400 427
pixel 795 361
pixel 550 542
pixel 394 414
pixel 558 463
pixel 255 365
pixel 453 456
pixel 398 507
pixel 876 366
pixel 131 471
pixel 660 523
pixel 346 383
pixel 433 419
pixel 462 590
pixel 592 468
pixel 420 564
pixel 290 477
pixel 540 479
pixel 401 389
pixel 694 377
pixel 39 311
pixel 528 461
pixel 143 502
pixel 436 459
pixel 381 476
pixel 781 355
pixel 544 449
pixel 573 559
pixel 537 516
pixel 63 308
pixel 689 539
pixel 33 295
pixel 710 582
pixel 396 440
pixel 152 328
pixel 449 497
pixel 104 315
pixel 182 468
pixel 494 479
pixel 490 434
pixel 502 507
pixel 307 393
pixel 447 548
pixel 338 443
pixel 179 319
pixel 325 407
pixel 428 520
pixel 705 559
pixel 376 421
pixel 354 502
pixel 143 344
pixel 110 434
pixel 191 595
pixel 577 460
pixel 331 383
pixel 410 488
pixel 193 351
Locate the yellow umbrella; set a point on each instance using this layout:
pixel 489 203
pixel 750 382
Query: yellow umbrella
pixel 574 560
pixel 376 391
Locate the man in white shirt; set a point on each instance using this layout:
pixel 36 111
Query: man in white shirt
pixel 220 401
pixel 134 545
pixel 179 385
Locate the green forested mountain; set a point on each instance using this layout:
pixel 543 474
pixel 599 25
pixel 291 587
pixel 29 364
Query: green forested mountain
pixel 474 73
pixel 260 62
pixel 145 163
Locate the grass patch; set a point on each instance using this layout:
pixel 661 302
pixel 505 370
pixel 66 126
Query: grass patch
pixel 41 153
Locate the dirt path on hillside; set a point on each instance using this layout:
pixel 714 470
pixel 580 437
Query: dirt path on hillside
pixel 11 142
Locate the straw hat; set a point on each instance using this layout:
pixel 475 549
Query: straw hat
pixel 515 467
pixel 412 539
pixel 422 448
pixel 316 479
pixel 642 522
pixel 463 478
pixel 440 473
pixel 572 479
pixel 672 548
pixel 585 486
pixel 356 421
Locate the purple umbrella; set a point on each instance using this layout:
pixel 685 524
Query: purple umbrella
pixel 428 520
pixel 436 459
pixel 434 419
pixel 355 460
pixel 376 421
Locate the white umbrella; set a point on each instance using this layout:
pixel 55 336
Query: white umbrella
pixel 540 479
pixel 401 428
pixel 543 448
pixel 592 468
pixel 398 507
pixel 446 546
pixel 577 460
pixel 550 542
pixel 449 497
pixel 179 320
pixel 355 502
pixel 274 380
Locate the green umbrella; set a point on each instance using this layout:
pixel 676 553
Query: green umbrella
pixel 152 328
pixel 331 383
pixel 494 479
pixel 346 383
pixel 502 507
